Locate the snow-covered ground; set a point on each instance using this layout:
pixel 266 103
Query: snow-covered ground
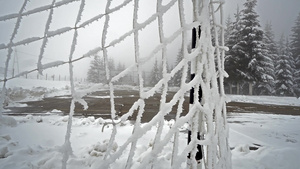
pixel 257 140
pixel 271 100
pixel 277 138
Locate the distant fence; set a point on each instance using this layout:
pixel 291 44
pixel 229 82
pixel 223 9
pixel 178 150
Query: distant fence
pixel 53 77
pixel 50 77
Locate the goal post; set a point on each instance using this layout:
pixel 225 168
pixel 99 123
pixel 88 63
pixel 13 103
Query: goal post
pixel 206 116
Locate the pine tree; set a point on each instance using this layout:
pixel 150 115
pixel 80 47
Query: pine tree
pixel 252 60
pixel 232 56
pixel 111 64
pixel 176 81
pixel 267 84
pixel 227 32
pixel 96 73
pixel 295 49
pixel 178 75
pixel 120 67
pixel 284 71
pixel 155 74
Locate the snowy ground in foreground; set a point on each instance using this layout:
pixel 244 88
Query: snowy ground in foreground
pixel 36 142
pixel 276 136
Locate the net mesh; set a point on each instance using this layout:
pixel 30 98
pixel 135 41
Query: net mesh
pixel 207 116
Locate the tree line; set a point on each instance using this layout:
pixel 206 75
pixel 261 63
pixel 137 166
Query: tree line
pixel 97 72
pixel 256 61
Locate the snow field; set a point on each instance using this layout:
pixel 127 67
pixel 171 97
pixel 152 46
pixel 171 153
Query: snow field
pixel 36 142
pixel 277 138
pixel 272 100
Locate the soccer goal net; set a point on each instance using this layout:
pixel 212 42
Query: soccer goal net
pixel 177 36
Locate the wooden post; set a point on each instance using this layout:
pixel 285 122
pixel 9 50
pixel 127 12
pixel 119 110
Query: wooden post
pixel 237 88
pixel 250 89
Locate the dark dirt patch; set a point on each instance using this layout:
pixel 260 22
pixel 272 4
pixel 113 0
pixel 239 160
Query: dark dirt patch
pixel 100 106
pixel 237 107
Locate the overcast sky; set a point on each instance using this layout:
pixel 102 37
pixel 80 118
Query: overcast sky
pixel 281 13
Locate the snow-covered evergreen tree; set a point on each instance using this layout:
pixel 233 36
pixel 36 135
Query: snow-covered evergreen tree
pixel 178 75
pixel 251 52
pixel 228 28
pixel 232 60
pixel 284 70
pixel 155 74
pixel 295 49
pixel 111 64
pixel 96 72
pixel 267 84
pixel 176 81
pixel 121 66
pixel 252 62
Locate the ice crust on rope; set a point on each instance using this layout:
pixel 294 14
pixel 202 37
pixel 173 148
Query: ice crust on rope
pixel 212 107
pixel 8 57
pixel 67 149
pixel 58 31
pixel 44 43
pixel 36 10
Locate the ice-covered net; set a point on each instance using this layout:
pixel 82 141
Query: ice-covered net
pixel 207 117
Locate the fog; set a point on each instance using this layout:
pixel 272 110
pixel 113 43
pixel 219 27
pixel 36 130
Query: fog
pixel 281 14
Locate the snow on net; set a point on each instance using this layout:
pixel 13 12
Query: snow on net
pixel 207 117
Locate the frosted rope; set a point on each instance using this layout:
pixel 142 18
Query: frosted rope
pixel 183 78
pixel 60 30
pixel 157 138
pixel 67 145
pixel 107 73
pixel 45 40
pixel 8 57
pixel 36 10
pixel 215 129
pixel 137 124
